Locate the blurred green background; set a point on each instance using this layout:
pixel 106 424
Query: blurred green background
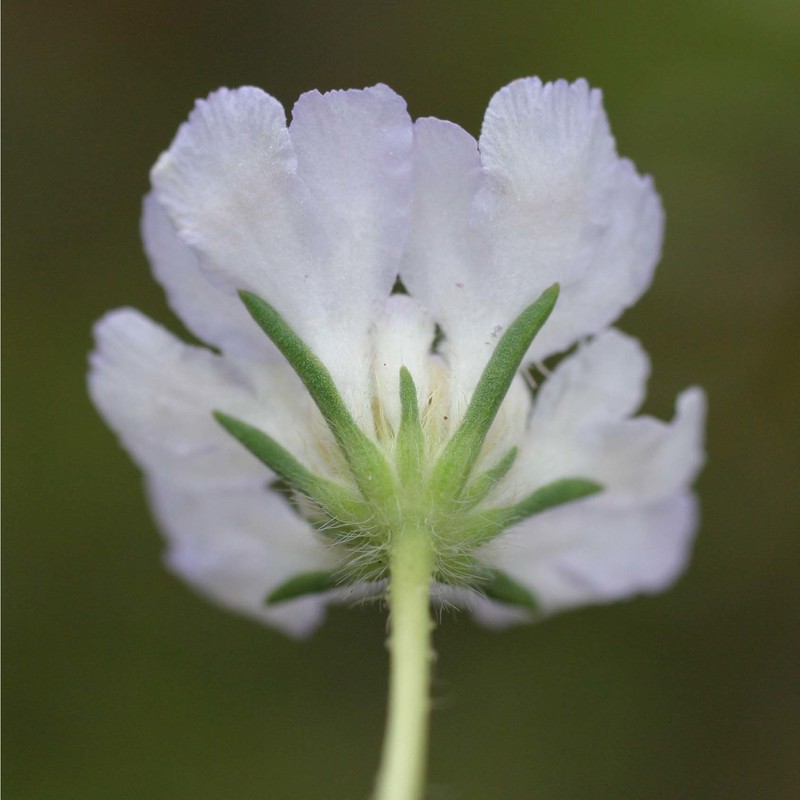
pixel 120 683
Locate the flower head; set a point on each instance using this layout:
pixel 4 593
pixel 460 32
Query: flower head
pixel 338 401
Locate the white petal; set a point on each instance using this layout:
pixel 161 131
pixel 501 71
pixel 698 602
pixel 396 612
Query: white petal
pixel 237 546
pixel 636 460
pixel 312 230
pixel 229 184
pixel 585 553
pixel 563 207
pixel 441 248
pixel 446 264
pixel 621 268
pixel 603 381
pixel 548 154
pixel 547 200
pixel 644 459
pixel 214 316
pixel 158 395
pixel 354 153
pixel 580 427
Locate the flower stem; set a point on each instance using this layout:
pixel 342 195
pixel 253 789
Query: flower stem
pixel 402 772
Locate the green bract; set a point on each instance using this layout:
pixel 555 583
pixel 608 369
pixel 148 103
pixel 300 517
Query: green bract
pixel 391 489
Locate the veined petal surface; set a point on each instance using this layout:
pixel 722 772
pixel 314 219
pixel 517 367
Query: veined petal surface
pixel 229 184
pixel 562 206
pixel 310 218
pixel 542 198
pixel 354 151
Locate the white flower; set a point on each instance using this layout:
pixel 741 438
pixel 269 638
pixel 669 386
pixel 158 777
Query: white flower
pixel 319 219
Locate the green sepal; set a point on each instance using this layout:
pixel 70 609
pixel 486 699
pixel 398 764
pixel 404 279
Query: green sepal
pixel 365 459
pixel 305 363
pixel 484 525
pixel 334 499
pixel 499 586
pixel 548 496
pixel 484 483
pixel 302 585
pixel 410 445
pixel 455 464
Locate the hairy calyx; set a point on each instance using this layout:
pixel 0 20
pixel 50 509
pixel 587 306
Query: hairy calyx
pixel 392 484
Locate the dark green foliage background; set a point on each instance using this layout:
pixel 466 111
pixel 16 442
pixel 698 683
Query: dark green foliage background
pixel 120 683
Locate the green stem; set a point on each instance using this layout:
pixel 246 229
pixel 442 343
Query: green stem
pixel 402 771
